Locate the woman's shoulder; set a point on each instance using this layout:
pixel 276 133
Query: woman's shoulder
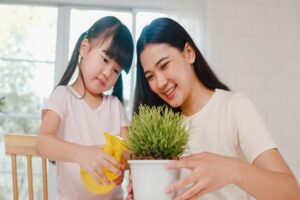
pixel 231 97
pixel 237 102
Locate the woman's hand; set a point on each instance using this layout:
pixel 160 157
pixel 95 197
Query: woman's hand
pixel 129 188
pixel 93 160
pixel 209 172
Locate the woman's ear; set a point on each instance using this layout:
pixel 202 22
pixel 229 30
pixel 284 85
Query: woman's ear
pixel 84 47
pixel 189 53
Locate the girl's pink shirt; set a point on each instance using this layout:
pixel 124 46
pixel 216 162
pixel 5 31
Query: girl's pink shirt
pixel 83 125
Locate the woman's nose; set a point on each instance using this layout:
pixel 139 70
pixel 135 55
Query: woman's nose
pixel 161 81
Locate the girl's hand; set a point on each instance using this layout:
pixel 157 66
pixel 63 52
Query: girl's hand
pixel 93 160
pixel 124 165
pixel 209 172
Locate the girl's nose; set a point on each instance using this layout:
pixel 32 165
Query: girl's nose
pixel 161 81
pixel 107 71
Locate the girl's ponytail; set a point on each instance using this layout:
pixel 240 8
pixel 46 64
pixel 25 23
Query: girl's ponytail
pixel 73 62
pixel 118 89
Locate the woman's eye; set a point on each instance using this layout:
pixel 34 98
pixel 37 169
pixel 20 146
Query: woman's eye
pixel 163 66
pixel 149 77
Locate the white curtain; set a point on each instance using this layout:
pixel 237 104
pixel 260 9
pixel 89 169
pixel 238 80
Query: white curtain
pixel 191 15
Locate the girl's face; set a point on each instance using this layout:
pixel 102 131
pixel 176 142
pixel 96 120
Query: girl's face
pixel 169 72
pixel 99 71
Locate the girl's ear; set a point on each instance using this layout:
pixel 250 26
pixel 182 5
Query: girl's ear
pixel 84 47
pixel 189 53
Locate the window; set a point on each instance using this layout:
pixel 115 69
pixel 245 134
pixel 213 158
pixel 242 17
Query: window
pixel 27 54
pixel 32 59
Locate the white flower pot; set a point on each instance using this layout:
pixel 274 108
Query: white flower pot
pixel 150 178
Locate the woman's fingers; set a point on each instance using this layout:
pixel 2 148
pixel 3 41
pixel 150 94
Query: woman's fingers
pixel 191 193
pixel 186 163
pixel 181 183
pixel 129 188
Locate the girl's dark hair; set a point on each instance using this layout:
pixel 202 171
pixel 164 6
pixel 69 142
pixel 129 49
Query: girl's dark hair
pixel 121 49
pixel 168 31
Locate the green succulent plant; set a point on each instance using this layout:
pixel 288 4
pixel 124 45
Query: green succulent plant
pixel 157 133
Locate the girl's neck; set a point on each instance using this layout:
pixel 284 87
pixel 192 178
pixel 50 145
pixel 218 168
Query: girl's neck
pixel 93 100
pixel 199 96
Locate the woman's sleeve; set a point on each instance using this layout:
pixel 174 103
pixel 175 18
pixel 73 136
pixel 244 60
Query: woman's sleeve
pixel 253 135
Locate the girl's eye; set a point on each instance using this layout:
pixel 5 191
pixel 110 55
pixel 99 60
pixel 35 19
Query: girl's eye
pixel 116 71
pixel 105 60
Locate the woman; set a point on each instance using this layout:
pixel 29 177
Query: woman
pixel 232 155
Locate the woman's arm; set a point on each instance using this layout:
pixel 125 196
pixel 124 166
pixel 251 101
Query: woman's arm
pixel 268 178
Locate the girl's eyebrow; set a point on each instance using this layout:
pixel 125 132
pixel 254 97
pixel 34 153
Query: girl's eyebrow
pixel 157 63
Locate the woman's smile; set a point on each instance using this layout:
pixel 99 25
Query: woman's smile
pixel 170 93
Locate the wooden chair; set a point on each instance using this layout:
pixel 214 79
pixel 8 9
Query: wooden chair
pixel 24 145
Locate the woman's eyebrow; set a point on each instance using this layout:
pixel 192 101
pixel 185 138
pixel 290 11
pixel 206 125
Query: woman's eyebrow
pixel 160 60
pixel 157 63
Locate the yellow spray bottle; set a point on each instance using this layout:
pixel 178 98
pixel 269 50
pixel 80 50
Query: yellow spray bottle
pixel 115 146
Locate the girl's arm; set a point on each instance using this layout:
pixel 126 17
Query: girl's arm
pixel 50 146
pixel 124 135
pixel 268 178
pixel 90 158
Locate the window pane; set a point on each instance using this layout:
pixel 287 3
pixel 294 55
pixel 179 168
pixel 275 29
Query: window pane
pixel 27 53
pixel 27 32
pixel 144 18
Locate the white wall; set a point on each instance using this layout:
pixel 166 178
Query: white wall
pixel 254 47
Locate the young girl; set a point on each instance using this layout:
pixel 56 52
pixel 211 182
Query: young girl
pixel 232 156
pixel 76 115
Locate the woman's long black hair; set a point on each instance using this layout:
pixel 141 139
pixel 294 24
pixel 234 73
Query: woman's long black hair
pixel 168 31
pixel 121 49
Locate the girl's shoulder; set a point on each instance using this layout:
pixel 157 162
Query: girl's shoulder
pixel 62 89
pixel 112 99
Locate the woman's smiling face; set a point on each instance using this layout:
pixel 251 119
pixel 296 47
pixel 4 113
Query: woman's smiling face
pixel 169 71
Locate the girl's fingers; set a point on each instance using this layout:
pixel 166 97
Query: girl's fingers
pixel 111 167
pixel 102 176
pixel 97 178
pixel 111 159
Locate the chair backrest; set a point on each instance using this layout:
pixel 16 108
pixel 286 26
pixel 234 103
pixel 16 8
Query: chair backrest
pixel 24 145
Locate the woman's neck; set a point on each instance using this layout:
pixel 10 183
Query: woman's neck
pixel 199 96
